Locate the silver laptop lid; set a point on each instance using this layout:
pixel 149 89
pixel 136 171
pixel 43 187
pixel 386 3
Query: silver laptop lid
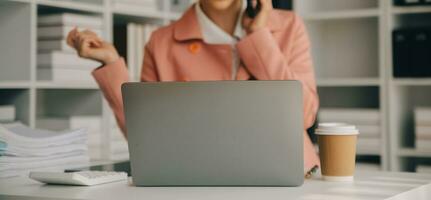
pixel 215 133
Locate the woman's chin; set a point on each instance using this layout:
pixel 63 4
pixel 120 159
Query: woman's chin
pixel 220 4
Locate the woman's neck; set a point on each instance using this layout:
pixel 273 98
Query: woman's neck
pixel 225 19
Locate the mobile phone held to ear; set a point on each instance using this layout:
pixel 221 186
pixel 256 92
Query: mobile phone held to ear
pixel 252 11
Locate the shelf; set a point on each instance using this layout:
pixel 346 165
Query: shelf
pixel 412 152
pixel 410 9
pixel 66 85
pixel 14 85
pixel 347 82
pixel 363 13
pixel 72 5
pixel 412 81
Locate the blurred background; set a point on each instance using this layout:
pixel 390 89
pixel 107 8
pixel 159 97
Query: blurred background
pixel 371 59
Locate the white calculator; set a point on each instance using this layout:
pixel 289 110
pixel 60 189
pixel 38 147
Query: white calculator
pixel 85 178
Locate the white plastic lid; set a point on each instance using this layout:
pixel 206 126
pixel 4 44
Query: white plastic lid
pixel 336 129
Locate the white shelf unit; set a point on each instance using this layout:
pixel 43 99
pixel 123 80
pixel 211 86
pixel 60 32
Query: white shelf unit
pixel 405 93
pixel 347 38
pixel 35 98
pixel 351 42
pixel 352 51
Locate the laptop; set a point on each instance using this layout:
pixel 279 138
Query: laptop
pixel 215 133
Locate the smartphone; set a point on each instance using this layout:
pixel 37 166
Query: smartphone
pixel 252 11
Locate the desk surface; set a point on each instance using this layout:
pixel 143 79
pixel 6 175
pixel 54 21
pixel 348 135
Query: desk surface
pixel 367 185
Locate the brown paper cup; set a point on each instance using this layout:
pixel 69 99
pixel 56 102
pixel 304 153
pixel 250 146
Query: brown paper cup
pixel 337 149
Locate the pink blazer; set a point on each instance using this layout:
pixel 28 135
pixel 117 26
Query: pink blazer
pixel 177 52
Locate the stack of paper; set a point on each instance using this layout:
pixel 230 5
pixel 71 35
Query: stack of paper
pixel 7 113
pixel 137 36
pixel 148 6
pixel 422 117
pixel 27 149
pixel 366 120
pixel 423 169
pixel 91 123
pixel 56 60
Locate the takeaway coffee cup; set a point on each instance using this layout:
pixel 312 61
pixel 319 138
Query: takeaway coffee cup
pixel 337 149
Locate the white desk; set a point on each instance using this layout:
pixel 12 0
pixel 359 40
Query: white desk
pixel 368 185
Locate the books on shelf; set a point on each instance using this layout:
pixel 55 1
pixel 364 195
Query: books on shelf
pixel 7 113
pixel 423 169
pixel 367 121
pixel 60 32
pixel 60 75
pixel 54 45
pixel 423 132
pixel 422 117
pixel 137 37
pixel 28 149
pixel 354 116
pixel 70 19
pixel 56 61
pixel 64 60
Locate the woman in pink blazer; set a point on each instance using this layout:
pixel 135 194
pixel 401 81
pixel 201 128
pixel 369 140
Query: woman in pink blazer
pixel 213 40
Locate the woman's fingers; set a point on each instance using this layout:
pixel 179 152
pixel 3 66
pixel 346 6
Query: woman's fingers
pixel 87 45
pixel 92 34
pixel 89 35
pixel 94 39
pixel 84 41
pixel 71 36
pixel 75 37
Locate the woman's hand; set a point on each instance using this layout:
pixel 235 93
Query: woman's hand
pixel 251 25
pixel 89 45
